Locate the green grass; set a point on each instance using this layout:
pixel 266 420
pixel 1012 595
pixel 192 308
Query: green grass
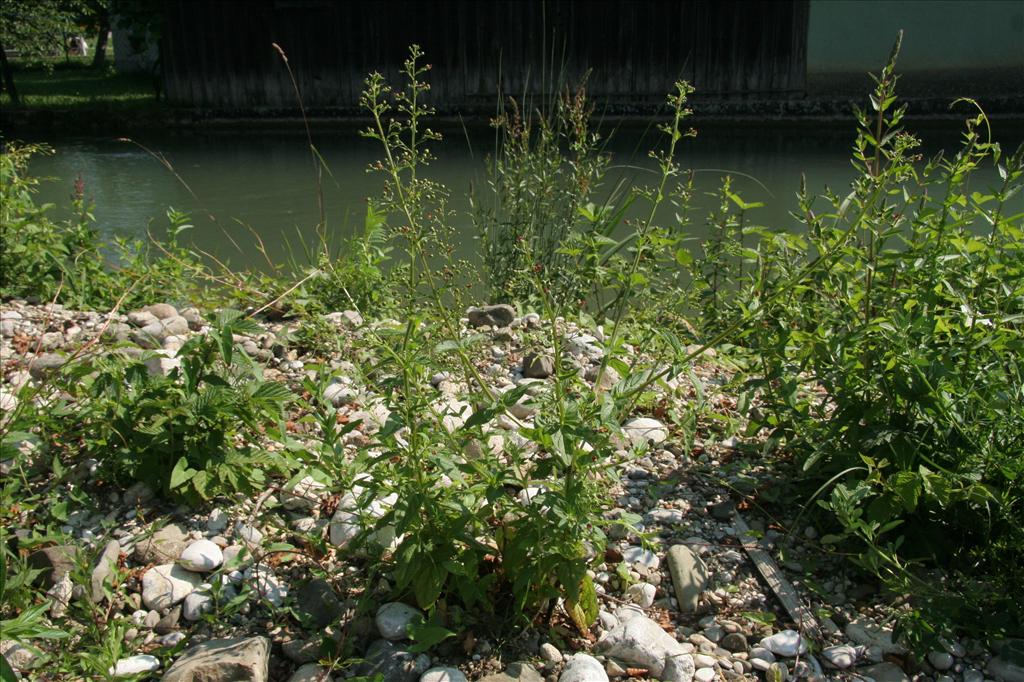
pixel 78 85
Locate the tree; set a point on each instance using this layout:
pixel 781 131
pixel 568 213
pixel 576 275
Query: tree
pixel 33 29
pixel 37 29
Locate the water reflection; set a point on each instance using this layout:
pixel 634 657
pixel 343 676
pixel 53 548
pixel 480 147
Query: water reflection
pixel 263 179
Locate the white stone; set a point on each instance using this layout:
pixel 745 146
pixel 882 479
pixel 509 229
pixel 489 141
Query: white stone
pixel 266 585
pixel 453 413
pixel 550 653
pixel 443 674
pixel 705 675
pixel 201 556
pixel 871 635
pixel 339 393
pixel 643 643
pixel 583 668
pixel 642 430
pixel 704 661
pixel 344 528
pixel 217 520
pixel 196 604
pixel 18 656
pixel 627 612
pixel 668 516
pixel 787 643
pixel 639 555
pixel 8 401
pixel 678 668
pixel 165 585
pixel 248 534
pixel 842 656
pixel 393 620
pixel 170 639
pixel 61 594
pixel 304 496
pixel 642 594
pixel 134 665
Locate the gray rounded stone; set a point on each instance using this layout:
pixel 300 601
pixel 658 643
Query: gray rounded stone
pixel 393 620
pixel 443 674
pixel 583 668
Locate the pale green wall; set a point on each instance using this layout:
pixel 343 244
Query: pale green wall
pixel 856 35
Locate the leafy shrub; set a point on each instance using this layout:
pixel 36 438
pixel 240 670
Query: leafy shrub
pixel 37 255
pixel 41 259
pixel 181 431
pixel 356 276
pixel 913 329
pixel 538 198
pixel 508 530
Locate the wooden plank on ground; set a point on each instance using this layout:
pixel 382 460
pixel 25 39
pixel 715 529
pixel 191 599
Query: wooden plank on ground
pixel 783 589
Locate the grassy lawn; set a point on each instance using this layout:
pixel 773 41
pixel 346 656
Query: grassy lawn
pixel 77 85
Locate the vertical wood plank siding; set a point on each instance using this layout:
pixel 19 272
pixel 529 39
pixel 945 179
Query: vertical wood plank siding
pixel 217 54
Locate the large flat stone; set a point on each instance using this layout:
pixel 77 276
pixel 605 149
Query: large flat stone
pixel 643 643
pixel 223 660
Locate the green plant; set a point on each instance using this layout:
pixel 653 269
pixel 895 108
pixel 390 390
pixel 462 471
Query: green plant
pixel 22 617
pixel 36 254
pixel 453 536
pixel 540 199
pixel 357 275
pixel 44 260
pixel 914 334
pixel 179 430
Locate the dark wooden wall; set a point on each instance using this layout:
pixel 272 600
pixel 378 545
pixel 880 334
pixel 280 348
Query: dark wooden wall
pixel 217 53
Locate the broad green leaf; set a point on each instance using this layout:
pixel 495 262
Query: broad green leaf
pixel 181 474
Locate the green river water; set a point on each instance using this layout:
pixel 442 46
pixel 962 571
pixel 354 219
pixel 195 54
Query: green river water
pixel 261 180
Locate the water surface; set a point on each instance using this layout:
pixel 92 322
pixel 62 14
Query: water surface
pixel 260 181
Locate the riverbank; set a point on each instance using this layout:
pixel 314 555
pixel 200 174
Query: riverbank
pixel 273 581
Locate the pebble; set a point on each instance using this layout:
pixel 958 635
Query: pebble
pixel 777 672
pixel 973 675
pixel 642 593
pixel 248 534
pixel 940 660
pixel 201 556
pixel 196 604
pixel 638 555
pixel 583 668
pixel 735 642
pixel 165 585
pixel 266 585
pixel 642 642
pixel 704 661
pixel 312 672
pixel 217 521
pixel 135 665
pixel 394 618
pixel 787 643
pixel 443 674
pixel 705 675
pixel 643 430
pixel 170 639
pixel 841 657
pixel 550 653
